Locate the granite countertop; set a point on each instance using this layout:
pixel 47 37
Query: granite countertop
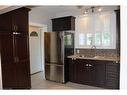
pixel 117 59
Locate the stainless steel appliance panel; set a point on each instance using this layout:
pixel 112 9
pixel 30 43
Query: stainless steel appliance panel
pixel 54 48
pixel 54 72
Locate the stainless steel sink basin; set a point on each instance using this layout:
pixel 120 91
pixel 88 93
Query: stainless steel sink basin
pixel 98 57
pixel 93 57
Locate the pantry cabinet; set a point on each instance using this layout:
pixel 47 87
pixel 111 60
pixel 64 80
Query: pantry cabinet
pixel 14 49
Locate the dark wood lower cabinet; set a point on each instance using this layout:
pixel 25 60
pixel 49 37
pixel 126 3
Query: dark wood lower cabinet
pixel 99 74
pixel 81 72
pixel 94 72
pixel 112 75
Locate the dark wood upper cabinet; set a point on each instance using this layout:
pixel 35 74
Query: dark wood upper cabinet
pixel 63 24
pixel 6 25
pixel 14 49
pixel 16 21
pixel 20 25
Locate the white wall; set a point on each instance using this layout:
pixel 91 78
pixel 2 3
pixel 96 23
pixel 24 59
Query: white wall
pixel 123 64
pixel 37 16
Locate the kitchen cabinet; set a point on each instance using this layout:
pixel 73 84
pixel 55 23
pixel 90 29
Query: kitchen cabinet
pixel 81 71
pixel 112 75
pixel 98 73
pixel 16 21
pixel 14 49
pixel 85 72
pixel 63 23
pixel 72 71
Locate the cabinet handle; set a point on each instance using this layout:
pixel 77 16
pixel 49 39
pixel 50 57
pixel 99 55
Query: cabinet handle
pixel 16 33
pixel 73 58
pixel 90 65
pixel 87 65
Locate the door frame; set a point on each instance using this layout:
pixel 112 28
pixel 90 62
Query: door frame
pixel 43 28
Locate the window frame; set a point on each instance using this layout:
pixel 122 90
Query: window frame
pixel 112 31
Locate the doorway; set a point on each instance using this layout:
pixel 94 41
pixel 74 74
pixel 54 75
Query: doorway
pixel 35 45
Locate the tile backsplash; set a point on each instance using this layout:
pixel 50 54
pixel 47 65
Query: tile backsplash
pixel 99 52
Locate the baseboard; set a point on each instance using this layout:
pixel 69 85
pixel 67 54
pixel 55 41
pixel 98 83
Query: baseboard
pixel 36 72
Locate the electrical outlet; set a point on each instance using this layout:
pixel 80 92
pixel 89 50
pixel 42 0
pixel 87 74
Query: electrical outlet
pixel 78 51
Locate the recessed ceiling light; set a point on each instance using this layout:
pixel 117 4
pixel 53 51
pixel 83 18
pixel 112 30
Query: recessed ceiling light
pixel 86 11
pixel 99 9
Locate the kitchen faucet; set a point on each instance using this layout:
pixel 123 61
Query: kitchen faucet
pixel 93 52
pixel 93 47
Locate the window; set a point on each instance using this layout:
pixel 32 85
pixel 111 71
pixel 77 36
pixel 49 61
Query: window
pixel 81 39
pixel 98 39
pixel 106 39
pixel 97 29
pixel 89 39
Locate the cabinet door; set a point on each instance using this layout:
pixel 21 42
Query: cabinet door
pixel 99 73
pixel 7 61
pixel 57 24
pixel 20 21
pixel 91 72
pixel 112 75
pixel 6 22
pixel 22 61
pixel 82 71
pixel 71 70
pixel 63 24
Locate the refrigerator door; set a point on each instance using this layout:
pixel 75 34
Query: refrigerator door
pixel 68 44
pixel 54 72
pixel 54 56
pixel 68 50
pixel 53 48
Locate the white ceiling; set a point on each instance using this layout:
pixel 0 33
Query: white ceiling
pixel 52 9
pixel 3 7
pixel 60 9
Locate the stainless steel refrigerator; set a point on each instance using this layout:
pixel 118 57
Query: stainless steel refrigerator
pixel 57 46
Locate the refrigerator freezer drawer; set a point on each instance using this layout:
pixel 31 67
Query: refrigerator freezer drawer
pixel 54 72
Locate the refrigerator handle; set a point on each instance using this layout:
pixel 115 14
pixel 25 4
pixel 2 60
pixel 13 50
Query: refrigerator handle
pixel 62 46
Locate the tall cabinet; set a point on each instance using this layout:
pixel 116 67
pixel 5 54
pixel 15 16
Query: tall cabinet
pixel 14 49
